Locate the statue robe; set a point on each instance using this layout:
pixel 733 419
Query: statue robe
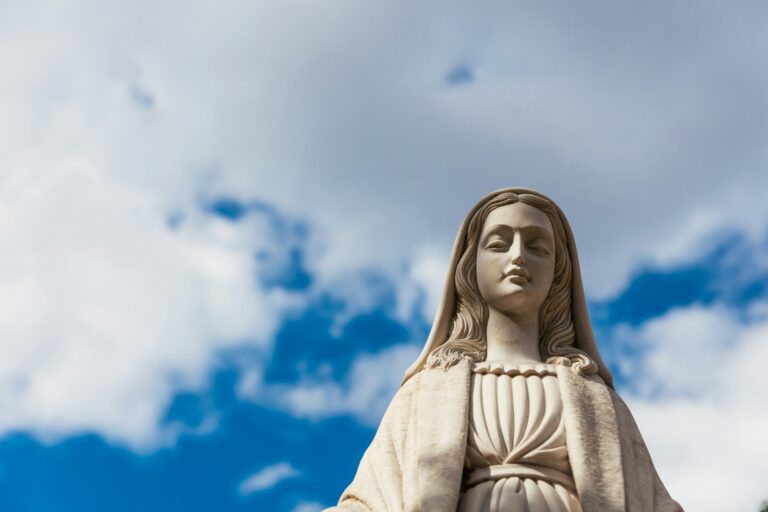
pixel 416 459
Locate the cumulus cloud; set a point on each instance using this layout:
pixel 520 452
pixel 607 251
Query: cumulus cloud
pixel 107 310
pixel 364 394
pixel 266 478
pixel 698 403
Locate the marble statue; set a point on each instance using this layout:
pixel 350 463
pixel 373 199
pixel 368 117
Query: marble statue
pixel 509 407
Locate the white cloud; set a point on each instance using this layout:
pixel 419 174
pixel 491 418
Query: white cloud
pixel 309 506
pixel 423 283
pixel 696 336
pixel 700 406
pixel 107 311
pixel 643 144
pixel 326 113
pixel 365 394
pixel 267 477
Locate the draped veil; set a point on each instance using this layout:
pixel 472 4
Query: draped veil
pixel 585 340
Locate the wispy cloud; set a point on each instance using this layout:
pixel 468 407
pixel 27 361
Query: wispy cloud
pixel 309 506
pixel 364 393
pixel 267 477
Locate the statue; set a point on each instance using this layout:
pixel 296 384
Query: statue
pixel 509 407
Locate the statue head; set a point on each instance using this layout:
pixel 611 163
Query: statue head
pixel 516 260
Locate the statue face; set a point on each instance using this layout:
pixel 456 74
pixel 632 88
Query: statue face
pixel 515 259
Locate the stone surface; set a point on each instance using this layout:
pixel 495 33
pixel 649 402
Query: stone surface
pixel 510 366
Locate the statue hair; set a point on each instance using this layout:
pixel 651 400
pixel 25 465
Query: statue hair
pixel 467 331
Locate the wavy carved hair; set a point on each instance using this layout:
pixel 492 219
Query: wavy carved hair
pixel 466 336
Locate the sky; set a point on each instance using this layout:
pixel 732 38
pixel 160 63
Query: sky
pixel 224 227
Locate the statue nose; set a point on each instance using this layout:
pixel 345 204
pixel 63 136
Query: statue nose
pixel 516 252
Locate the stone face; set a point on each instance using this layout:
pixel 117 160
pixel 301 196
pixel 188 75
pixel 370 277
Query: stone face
pixel 510 386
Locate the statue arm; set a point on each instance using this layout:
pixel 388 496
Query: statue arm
pixel 378 483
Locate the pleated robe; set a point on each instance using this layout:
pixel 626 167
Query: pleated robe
pixel 416 459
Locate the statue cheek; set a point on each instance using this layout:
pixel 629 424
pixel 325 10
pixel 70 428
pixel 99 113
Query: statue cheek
pixel 484 269
pixel 483 282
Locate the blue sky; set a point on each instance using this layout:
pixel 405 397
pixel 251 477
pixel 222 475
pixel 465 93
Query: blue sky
pixel 225 228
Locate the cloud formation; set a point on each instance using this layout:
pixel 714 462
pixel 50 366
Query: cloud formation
pixel 646 126
pixel 382 124
pixel 108 311
pixel 365 392
pixel 695 399
pixel 267 477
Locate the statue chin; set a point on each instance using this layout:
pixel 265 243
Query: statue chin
pixel 515 303
pixel 481 423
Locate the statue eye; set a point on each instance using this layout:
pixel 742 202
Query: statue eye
pixel 539 247
pixel 498 245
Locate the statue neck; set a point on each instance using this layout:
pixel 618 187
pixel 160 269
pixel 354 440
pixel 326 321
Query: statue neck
pixel 512 339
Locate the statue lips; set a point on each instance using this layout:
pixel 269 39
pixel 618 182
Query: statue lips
pixel 517 275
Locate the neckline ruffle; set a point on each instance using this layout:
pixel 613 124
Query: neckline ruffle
pixel 513 369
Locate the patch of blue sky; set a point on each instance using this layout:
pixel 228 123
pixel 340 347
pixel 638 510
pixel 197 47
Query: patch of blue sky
pixel 654 291
pixel 284 269
pixel 86 473
pixel 309 343
pixel 174 219
pixel 142 97
pixel 227 208
pixel 460 75
pixel 727 273
pixel 282 263
pixel 187 409
pixel 234 210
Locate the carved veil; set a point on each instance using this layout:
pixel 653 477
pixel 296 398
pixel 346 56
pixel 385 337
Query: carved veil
pixel 585 340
